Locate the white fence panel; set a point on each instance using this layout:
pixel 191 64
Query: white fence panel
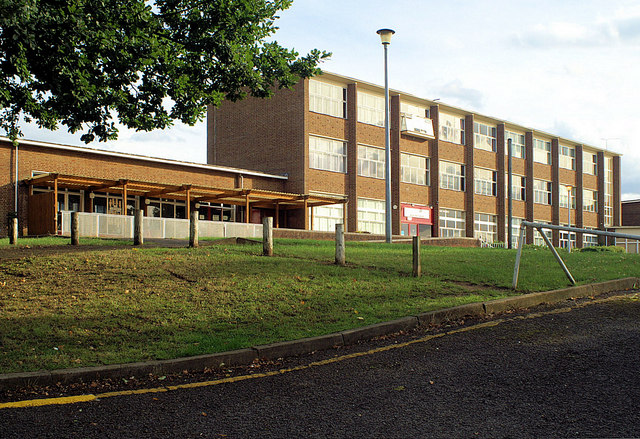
pixel 176 228
pixel 153 227
pixel 115 226
pixel 211 229
pixel 240 230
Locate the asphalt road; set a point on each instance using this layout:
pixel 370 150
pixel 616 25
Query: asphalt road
pixel 558 374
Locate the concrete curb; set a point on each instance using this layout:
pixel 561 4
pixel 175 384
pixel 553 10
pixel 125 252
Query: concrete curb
pixel 307 345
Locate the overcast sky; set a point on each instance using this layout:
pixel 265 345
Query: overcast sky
pixel 569 67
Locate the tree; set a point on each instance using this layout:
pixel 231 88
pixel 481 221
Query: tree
pixel 86 63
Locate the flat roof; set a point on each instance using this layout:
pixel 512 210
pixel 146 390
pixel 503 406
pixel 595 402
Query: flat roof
pixel 145 158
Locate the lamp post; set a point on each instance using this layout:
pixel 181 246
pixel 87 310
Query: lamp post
pixel 385 37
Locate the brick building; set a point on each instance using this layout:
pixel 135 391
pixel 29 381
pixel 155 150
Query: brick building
pixel 53 179
pixel 448 165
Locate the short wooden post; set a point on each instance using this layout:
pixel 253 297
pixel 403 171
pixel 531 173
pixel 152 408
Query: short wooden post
pixel 137 228
pixel 193 229
pixel 340 251
pixel 267 236
pixel 75 228
pixel 13 231
pixel 416 257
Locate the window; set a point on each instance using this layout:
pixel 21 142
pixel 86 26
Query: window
pixel 567 196
pixel 413 110
pixel 370 109
pixel 566 236
pixel 451 128
pixel 485 181
pixel 452 224
pixel 486 227
pixel 451 176
pixel 325 218
pixel 589 240
pixel 542 151
pixel 537 237
pixel 567 157
pixel 327 98
pixel 541 192
pixel 517 144
pixel 518 187
pixel 590 163
pixel 371 216
pixel 485 136
pixel 608 191
pixel 327 154
pixel 414 169
pixel 515 231
pixel 370 161
pixel 589 200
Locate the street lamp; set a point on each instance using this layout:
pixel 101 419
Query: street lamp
pixel 385 37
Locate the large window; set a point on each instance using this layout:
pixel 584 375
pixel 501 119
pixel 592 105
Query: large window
pixel 541 192
pixel 325 218
pixel 413 110
pixel 451 176
pixel 566 237
pixel 484 136
pixel 371 216
pixel 452 224
pixel 542 151
pixel 518 187
pixel 327 98
pixel 486 227
pixel 485 181
pixel 370 161
pixel 590 163
pixel 589 240
pixel 567 196
pixel 414 169
pixel 451 128
pixel 370 109
pixel 327 154
pixel 589 200
pixel 515 231
pixel 537 237
pixel 567 157
pixel 517 144
pixel 608 191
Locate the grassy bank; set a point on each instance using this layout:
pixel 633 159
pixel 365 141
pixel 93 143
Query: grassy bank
pixel 124 304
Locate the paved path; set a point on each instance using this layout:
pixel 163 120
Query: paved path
pixel 553 374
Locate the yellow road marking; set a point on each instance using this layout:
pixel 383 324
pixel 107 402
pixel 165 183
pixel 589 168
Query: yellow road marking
pixel 87 398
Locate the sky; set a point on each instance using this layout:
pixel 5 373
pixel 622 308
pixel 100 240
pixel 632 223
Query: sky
pixel 567 67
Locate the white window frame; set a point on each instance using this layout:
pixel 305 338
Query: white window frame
pixel 327 98
pixel 371 161
pixel 518 145
pixel 327 154
pixel 565 236
pixel 485 227
pixel 537 237
pixel 589 163
pixel 485 182
pixel 608 191
pixel 564 196
pixel 414 169
pixel 370 108
pixel 371 216
pixel 589 200
pixel 451 223
pixel 567 157
pixel 326 217
pixel 455 180
pixel 542 195
pixel 589 240
pixel 542 151
pixel 451 128
pixel 518 187
pixel 484 136
pixel 515 230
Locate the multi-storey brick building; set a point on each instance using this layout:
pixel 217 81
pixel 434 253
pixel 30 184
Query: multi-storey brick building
pixel 448 165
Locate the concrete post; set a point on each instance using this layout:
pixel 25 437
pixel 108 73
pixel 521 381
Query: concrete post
pixel 267 236
pixel 137 229
pixel 75 228
pixel 340 250
pixel 417 269
pixel 193 229
pixel 13 231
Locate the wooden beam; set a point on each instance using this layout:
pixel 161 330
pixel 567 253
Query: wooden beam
pixel 246 209
pixel 234 193
pixel 105 185
pixel 168 190
pixel 42 179
pixel 124 199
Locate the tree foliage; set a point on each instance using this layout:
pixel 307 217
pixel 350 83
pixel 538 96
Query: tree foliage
pixel 86 63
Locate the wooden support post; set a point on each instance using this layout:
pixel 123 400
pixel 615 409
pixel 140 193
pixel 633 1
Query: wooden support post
pixel 75 228
pixel 311 218
pixel 13 231
pixel 55 205
pixel 277 225
pixel 340 249
pixel 187 202
pixel 124 199
pixel 267 236
pixel 137 229
pixel 417 268
pixel 247 212
pixel 306 214
pixel 193 230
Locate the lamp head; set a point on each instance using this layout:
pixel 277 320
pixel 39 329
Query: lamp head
pixel 385 35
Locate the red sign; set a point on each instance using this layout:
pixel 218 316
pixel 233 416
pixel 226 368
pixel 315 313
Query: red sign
pixel 415 214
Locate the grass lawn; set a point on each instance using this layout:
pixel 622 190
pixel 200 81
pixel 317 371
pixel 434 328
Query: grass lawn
pixel 124 304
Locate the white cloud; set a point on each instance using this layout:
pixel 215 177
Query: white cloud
pixel 456 93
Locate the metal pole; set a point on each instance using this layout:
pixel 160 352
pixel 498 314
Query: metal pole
pixel 510 194
pixel 16 187
pixel 516 268
pixel 569 217
pixel 387 151
pixel 557 256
